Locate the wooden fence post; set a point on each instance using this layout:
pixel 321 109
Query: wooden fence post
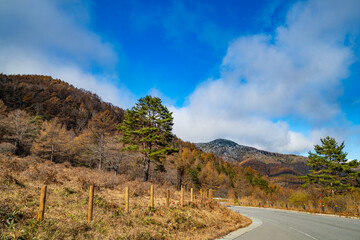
pixel 210 195
pixel 91 201
pixel 42 203
pixel 152 196
pixel 167 198
pixel 191 195
pixel 182 197
pixel 127 199
pixel 201 196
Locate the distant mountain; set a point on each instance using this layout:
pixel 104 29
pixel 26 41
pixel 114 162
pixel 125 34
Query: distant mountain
pixel 231 151
pixel 268 163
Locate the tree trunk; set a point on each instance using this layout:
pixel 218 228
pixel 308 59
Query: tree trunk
pixel 19 148
pixel 52 152
pixel 332 190
pixel 101 150
pixel 180 174
pixel 146 163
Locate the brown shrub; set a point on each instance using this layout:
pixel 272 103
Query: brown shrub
pixel 7 148
pixel 87 177
pixel 44 172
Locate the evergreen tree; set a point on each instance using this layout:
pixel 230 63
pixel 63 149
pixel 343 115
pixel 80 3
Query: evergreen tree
pixel 147 128
pixel 330 168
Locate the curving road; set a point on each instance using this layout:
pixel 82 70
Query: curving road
pixel 285 225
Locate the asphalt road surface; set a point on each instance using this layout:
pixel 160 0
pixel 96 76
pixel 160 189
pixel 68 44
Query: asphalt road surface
pixel 285 225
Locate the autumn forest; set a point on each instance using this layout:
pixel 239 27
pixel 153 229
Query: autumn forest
pixel 51 120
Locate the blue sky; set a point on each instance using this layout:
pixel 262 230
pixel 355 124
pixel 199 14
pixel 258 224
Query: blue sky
pixel 276 75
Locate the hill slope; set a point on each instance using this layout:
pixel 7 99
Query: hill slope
pixel 47 97
pixel 61 123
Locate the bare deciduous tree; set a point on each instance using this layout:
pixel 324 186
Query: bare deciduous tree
pixel 21 129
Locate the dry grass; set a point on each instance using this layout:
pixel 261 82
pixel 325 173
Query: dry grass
pixel 67 199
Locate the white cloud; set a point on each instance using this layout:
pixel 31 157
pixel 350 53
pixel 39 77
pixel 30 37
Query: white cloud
pixel 296 72
pixel 254 131
pixel 48 38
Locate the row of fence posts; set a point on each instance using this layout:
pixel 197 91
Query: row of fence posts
pixel 41 211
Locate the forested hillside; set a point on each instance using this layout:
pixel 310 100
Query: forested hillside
pixel 48 98
pixel 49 120
pixel 52 120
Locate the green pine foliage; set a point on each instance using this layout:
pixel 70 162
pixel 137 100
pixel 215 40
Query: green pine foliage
pixel 147 128
pixel 257 180
pixel 194 176
pixel 331 169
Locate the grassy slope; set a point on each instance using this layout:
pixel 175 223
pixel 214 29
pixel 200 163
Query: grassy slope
pixel 66 206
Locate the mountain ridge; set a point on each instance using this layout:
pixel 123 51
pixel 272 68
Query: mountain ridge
pixel 271 164
pixel 232 146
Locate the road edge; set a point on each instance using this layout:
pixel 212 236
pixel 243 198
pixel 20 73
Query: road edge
pixel 255 223
pixel 311 213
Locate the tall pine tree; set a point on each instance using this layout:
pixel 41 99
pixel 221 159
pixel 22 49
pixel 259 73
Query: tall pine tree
pixel 147 129
pixel 330 168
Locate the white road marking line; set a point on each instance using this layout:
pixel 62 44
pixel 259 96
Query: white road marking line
pixel 303 233
pixel 308 235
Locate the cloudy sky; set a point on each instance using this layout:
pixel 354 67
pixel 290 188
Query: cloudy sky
pixel 277 75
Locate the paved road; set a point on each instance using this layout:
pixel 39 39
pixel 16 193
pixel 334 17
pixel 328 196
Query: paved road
pixel 277 224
